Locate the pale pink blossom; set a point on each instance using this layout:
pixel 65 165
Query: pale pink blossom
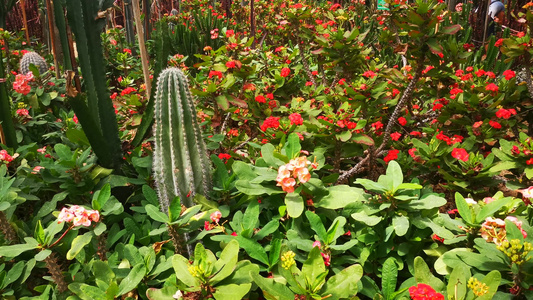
pixel 78 215
pixel 215 217
pixel 317 244
pixel 527 193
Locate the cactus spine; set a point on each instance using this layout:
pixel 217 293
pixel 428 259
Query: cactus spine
pixel 181 165
pixel 32 58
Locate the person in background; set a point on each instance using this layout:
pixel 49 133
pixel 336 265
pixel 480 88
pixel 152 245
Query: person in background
pixel 496 14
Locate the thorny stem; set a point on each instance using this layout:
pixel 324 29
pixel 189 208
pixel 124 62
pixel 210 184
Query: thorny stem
pixel 55 271
pixel 226 120
pixel 407 95
pixel 6 228
pixel 306 65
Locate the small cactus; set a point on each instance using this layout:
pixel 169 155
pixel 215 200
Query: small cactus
pixel 181 165
pixel 32 58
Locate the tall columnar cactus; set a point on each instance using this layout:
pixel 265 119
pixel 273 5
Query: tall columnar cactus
pixel 32 58
pixel 181 164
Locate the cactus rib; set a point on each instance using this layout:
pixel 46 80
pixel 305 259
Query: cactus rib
pixel 180 163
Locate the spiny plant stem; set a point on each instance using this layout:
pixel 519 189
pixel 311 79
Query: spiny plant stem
pixel 55 271
pixel 407 95
pixel 6 228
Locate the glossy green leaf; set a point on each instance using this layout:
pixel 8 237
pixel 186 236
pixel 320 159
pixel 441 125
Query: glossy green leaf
pixel 78 243
pixel 132 280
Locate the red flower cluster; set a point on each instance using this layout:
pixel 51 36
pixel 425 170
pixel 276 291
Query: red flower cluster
pixel 285 72
pixel 5 157
pixel 402 121
pixel 505 113
pixel 296 119
pixel 449 140
pixel 460 153
pixel 391 155
pixel 260 99
pixel 423 291
pixel 21 83
pixel 22 112
pixel 127 91
pixel 270 122
pixel 495 124
pixel 215 73
pixel 509 74
pixel 492 87
pixel 369 74
pixel 395 136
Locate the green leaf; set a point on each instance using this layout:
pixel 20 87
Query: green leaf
pixel 231 291
pixel 458 281
pixel 251 215
pixel 39 233
pixel 492 280
pixel 371 185
pixel 271 289
pixel 427 201
pixel 103 195
pixel 463 209
pixel 63 152
pixel 314 266
pixel 317 225
pixel 42 255
pixel 165 293
pixel 181 268
pixel 295 204
pixel 102 271
pixel 390 277
pixel 453 29
pixel 267 153
pixel 222 102
pixel 87 292
pixel 292 147
pixel 275 250
pixel 340 196
pixel 225 265
pixel 154 213
pixel 78 243
pixel 150 195
pixel 14 273
pixel 132 280
pixel 423 275
pixel 394 171
pixel 489 209
pixel 400 224
pixel 343 285
pixel 15 250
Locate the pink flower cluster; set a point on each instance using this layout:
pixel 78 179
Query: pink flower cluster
pixel 493 229
pixel 296 168
pixel 215 218
pixel 326 257
pixel 21 83
pixel 78 215
pixel 5 157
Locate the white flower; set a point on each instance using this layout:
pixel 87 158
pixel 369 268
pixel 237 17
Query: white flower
pixel 470 201
pixel 178 295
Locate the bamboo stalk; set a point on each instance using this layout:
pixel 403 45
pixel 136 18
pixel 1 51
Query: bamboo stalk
pixel 51 31
pixel 142 46
pixel 23 8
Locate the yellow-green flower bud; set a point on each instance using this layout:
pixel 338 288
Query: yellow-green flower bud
pixel 287 260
